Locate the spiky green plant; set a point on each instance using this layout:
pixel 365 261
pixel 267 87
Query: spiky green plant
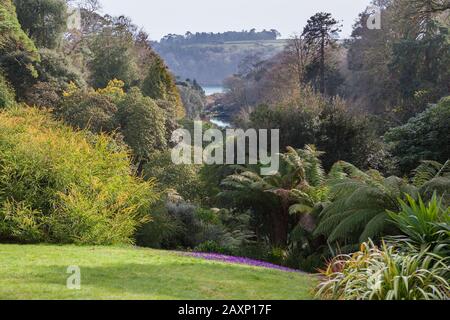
pixel 425 225
pixel 386 274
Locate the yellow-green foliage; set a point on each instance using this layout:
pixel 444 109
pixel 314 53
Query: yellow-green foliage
pixel 7 97
pixel 11 34
pixel 62 186
pixel 114 90
pixel 386 273
pixel 160 85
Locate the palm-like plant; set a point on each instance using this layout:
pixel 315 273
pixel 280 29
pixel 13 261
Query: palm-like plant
pixel 360 200
pixel 297 187
pixel 359 203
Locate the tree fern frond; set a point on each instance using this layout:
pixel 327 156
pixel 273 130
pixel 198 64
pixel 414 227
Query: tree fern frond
pixel 440 185
pixel 374 227
pixel 342 169
pixel 353 223
pixel 344 188
pixel 251 175
pixel 429 170
pixel 369 197
pixel 300 209
pixel 334 208
pixel 327 225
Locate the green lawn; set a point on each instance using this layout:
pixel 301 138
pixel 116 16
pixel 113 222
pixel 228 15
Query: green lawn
pixel 39 272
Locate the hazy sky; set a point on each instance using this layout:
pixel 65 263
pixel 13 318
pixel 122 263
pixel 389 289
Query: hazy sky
pixel 160 17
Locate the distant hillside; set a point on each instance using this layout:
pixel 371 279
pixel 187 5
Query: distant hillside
pixel 210 63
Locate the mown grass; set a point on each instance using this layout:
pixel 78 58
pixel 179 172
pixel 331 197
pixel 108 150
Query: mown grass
pixel 40 272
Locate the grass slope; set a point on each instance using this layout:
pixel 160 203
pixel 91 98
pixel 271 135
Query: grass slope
pixel 39 272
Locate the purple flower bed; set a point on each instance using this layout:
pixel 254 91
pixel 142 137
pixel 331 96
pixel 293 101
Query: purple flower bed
pixel 239 260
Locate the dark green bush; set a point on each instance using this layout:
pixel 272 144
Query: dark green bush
pixel 87 109
pixel 213 247
pixel 183 178
pixel 62 186
pixel 424 137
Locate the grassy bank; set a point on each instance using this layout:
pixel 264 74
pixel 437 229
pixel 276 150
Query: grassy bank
pixel 39 272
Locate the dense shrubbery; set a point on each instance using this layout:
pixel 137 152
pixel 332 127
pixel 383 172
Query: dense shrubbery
pixel 409 267
pixel 193 98
pixel 17 51
pixel 87 109
pixel 133 117
pixel 180 224
pixel 62 186
pixel 312 119
pixel 142 123
pixel 386 274
pixel 423 137
pixel 183 178
pixel 314 215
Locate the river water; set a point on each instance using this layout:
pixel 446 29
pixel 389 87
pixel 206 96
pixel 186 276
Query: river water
pixel 220 123
pixel 210 90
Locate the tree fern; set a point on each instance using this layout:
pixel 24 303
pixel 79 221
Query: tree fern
pixel 298 185
pixel 429 170
pixel 357 219
pixel 360 200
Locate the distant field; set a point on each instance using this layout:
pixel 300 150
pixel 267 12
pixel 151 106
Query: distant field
pixel 279 44
pixel 39 272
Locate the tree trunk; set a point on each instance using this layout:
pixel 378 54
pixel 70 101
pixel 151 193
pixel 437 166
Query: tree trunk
pixel 322 65
pixel 280 222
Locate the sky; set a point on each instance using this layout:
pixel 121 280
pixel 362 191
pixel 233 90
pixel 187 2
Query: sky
pixel 161 17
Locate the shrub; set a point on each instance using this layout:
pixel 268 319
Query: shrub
pixel 17 51
pixel 158 232
pixel 183 178
pixel 386 274
pixel 45 95
pixel 424 137
pixel 213 247
pixel 85 109
pixel 180 224
pixel 62 186
pixel 142 124
pixel 56 67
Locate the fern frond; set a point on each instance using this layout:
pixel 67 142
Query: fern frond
pixel 300 209
pixel 327 225
pixel 353 223
pixel 429 170
pixel 374 227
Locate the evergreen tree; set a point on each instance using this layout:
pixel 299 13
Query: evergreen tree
pixel 320 32
pixel 17 51
pixel 43 20
pixel 159 85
